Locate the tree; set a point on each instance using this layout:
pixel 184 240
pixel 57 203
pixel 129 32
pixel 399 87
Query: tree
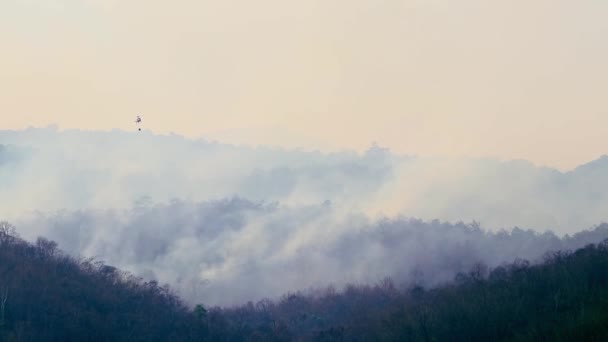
pixel 3 299
pixel 200 312
pixel 7 232
pixel 46 247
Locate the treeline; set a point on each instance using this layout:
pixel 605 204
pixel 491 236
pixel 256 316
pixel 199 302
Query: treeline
pixel 565 298
pixel 46 295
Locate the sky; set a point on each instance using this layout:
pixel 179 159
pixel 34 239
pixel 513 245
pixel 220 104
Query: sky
pixel 505 79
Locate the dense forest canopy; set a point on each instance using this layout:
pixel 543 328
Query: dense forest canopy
pixel 47 295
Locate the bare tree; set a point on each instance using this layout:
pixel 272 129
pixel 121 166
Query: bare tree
pixel 46 247
pixel 7 232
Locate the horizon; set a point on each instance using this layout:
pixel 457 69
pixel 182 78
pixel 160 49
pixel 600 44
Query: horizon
pixel 296 148
pixel 115 168
pixel 425 78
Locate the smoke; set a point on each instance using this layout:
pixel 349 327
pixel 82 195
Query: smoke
pixel 234 250
pixel 99 170
pixel 50 170
pixel 225 224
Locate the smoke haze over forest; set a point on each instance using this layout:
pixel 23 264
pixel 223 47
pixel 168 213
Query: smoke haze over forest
pixel 399 170
pixel 224 224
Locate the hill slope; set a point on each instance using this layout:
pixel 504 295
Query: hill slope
pixel 563 299
pixel 46 295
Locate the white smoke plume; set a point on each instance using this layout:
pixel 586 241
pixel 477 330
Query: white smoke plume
pixel 225 224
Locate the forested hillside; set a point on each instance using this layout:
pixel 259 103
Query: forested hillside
pixel 563 299
pixel 46 295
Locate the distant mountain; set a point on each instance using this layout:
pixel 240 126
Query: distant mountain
pixel 599 165
pixel 114 169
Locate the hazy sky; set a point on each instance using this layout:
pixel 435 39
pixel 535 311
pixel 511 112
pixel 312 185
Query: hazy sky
pixel 511 79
